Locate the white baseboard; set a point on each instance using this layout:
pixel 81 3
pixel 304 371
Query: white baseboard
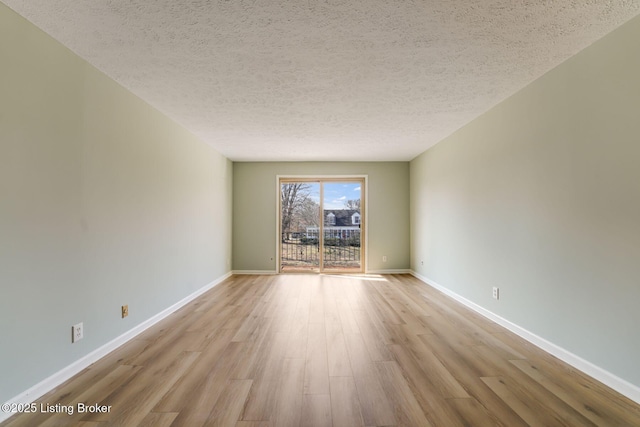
pixel 254 272
pixel 390 271
pixel 621 386
pixel 269 272
pixel 69 371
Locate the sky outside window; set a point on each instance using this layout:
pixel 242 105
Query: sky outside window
pixel 336 194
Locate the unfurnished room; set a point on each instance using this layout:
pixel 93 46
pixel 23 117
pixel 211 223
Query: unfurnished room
pixel 255 213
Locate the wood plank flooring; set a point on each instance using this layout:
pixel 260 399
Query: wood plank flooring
pixel 322 350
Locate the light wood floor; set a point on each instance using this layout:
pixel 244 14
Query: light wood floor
pixel 292 350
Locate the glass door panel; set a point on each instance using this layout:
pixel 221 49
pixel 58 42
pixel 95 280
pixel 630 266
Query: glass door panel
pixel 342 226
pixel 299 226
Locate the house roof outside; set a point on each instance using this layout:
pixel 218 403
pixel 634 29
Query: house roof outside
pixel 343 217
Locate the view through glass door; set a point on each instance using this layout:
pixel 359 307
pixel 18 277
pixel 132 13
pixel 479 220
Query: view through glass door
pixel 321 225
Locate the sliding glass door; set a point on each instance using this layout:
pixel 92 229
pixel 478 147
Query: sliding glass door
pixel 321 225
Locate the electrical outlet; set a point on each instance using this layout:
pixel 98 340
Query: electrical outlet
pixel 421 262
pixel 496 292
pixel 125 311
pixel 384 258
pixel 77 332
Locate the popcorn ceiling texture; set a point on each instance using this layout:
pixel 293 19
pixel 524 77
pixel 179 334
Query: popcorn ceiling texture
pixel 325 79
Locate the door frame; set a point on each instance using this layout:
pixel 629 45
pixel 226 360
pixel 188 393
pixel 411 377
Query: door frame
pixel 364 203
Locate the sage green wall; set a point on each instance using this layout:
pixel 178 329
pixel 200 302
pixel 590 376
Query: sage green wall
pixel 255 208
pixel 541 197
pixel 103 202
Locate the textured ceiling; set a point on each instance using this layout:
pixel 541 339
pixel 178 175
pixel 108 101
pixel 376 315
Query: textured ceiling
pixel 325 79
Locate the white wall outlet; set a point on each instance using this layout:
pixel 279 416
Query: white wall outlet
pixel 384 258
pixel 77 332
pixel 496 292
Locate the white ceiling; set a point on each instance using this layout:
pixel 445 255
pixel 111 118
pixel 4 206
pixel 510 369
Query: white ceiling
pixel 325 79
